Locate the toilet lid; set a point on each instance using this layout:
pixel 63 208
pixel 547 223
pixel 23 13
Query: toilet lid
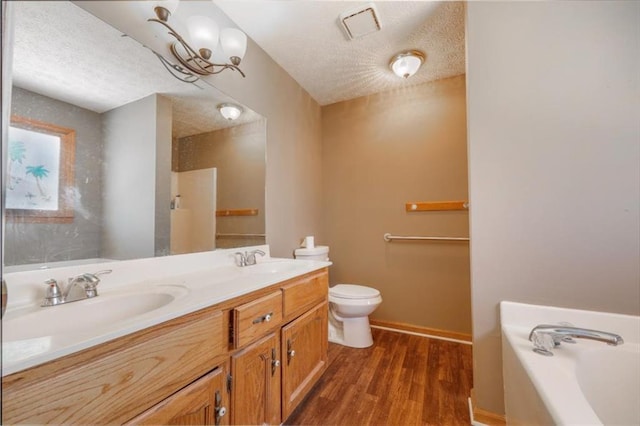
pixel 351 291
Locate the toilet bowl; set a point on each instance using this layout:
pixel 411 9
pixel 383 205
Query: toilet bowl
pixel 349 306
pixel 349 309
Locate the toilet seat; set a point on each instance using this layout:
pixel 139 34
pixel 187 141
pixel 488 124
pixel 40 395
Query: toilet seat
pixel 352 291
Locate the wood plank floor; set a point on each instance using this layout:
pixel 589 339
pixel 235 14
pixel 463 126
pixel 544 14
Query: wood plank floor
pixel 401 380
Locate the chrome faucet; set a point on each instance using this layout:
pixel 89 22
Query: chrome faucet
pixel 546 337
pixel 247 258
pixel 89 282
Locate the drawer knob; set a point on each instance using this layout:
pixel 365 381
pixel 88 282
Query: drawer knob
pixel 264 318
pixel 292 353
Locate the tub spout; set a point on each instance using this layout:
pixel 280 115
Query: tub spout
pixel 547 336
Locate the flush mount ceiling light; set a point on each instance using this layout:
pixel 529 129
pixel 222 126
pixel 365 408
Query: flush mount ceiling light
pixel 405 64
pixel 230 111
pixel 205 36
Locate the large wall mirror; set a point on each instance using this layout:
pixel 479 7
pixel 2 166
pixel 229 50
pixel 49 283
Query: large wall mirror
pixel 150 167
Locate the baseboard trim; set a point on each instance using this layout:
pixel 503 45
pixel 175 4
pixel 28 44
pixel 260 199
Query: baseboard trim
pixel 433 333
pixel 480 417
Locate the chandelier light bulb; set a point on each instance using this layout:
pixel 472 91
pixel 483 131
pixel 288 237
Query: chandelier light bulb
pixel 234 44
pixel 203 34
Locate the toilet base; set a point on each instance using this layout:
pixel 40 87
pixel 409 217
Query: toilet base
pixel 351 332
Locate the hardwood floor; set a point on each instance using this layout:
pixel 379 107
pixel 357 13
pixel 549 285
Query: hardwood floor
pixel 401 380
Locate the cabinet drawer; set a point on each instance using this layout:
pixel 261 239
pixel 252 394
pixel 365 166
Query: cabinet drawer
pixel 256 318
pixel 301 295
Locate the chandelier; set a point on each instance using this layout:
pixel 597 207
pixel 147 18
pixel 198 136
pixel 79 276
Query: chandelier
pixel 205 36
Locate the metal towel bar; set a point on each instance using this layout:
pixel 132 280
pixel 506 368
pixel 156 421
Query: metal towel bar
pixel 389 238
pixel 240 235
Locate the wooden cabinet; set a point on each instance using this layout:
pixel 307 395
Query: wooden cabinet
pixel 204 402
pixel 273 342
pixel 304 352
pixel 255 383
pixel 115 381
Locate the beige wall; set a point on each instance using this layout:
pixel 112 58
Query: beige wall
pixel 380 152
pixel 238 154
pixel 294 185
pixel 554 164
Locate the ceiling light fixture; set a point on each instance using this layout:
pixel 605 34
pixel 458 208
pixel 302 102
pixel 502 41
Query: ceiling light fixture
pixel 405 64
pixel 205 36
pixel 230 111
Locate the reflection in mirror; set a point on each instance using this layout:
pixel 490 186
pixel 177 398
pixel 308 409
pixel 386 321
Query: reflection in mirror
pixel 156 169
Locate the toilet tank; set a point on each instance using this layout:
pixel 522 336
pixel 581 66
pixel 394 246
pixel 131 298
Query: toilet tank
pixel 316 253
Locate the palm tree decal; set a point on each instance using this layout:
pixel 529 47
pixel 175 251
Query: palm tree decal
pixel 39 173
pixel 17 153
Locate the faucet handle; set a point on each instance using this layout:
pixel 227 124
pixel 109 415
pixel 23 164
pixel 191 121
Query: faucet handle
pixel 241 258
pixel 542 343
pixel 53 296
pixel 91 281
pixel 251 256
pixel 53 289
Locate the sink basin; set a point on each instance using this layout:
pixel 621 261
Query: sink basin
pixel 85 315
pixel 273 267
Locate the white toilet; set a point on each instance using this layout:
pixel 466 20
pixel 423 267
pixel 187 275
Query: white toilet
pixel 349 306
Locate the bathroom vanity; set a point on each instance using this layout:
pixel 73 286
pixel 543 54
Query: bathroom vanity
pixel 246 359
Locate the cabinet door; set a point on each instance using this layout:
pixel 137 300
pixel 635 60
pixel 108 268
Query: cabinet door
pixel 304 352
pixel 255 389
pixel 204 402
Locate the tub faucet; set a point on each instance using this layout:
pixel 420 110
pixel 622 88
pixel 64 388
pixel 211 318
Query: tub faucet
pixel 89 282
pixel 546 337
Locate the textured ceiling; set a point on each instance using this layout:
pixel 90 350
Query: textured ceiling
pixel 65 53
pixel 306 39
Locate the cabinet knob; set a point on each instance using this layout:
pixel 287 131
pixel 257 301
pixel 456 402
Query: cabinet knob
pixel 275 363
pixel 290 352
pixel 219 408
pixel 263 318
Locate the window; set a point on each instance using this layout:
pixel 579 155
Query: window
pixel 40 172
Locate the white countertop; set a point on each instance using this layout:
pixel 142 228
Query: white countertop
pixel 209 279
